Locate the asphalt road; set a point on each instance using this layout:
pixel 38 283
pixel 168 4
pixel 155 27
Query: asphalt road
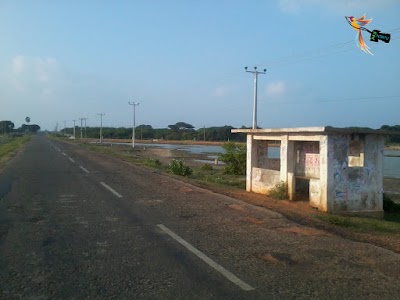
pixel 80 225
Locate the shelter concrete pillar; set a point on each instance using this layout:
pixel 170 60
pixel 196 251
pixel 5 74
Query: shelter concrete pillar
pixel 251 161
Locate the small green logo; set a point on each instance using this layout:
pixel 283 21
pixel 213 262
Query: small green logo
pixel 376 35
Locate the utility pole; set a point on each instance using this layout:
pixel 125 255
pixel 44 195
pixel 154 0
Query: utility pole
pixel 204 132
pixel 101 126
pixel 74 127
pixel 81 127
pixel 134 104
pixel 85 127
pixel 255 74
pixel 65 127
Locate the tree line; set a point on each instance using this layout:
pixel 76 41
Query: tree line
pixel 186 131
pixel 392 139
pixel 8 127
pixel 178 131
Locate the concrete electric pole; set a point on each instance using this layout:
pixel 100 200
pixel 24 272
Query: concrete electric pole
pixel 81 119
pixel 134 104
pixel 255 74
pixel 74 127
pixel 85 127
pixel 81 126
pixel 101 126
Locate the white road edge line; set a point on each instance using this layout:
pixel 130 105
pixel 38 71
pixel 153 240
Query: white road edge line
pixel 111 190
pixel 85 170
pixel 71 159
pixel 230 276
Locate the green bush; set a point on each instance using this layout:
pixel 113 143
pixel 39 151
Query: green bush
pixel 234 158
pixel 279 191
pixel 390 206
pixel 178 167
pixel 207 167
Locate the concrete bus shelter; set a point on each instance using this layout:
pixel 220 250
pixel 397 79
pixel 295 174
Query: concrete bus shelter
pixel 339 170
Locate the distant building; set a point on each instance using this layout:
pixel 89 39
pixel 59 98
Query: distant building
pixel 339 170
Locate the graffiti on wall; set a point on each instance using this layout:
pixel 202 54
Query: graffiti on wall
pixel 307 159
pixel 355 176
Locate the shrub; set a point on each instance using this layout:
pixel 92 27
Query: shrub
pixel 207 167
pixel 389 205
pixel 178 167
pixel 234 158
pixel 279 191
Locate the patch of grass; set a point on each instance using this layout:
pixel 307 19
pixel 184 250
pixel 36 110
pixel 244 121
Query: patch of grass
pixel 279 191
pixel 392 217
pixel 217 177
pixel 337 220
pixel 390 223
pixel 153 163
pixel 9 146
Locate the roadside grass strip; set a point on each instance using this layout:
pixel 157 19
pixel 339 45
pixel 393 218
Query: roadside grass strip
pixel 9 146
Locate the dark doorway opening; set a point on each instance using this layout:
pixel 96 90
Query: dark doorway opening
pixel 302 192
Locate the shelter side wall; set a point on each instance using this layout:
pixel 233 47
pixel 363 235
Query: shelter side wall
pixel 355 188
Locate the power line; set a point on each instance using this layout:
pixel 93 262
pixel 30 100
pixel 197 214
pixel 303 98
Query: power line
pixel 296 56
pixel 335 100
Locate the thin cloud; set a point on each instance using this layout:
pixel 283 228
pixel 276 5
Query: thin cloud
pixel 220 91
pixel 18 65
pixel 27 70
pixel 276 89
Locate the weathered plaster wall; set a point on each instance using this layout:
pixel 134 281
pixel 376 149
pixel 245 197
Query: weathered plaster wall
pixel 355 189
pixel 322 204
pixel 264 179
pixel 265 172
pixel 307 159
pixel 315 193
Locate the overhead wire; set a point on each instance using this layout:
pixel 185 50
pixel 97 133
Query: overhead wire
pixel 312 54
pixel 367 98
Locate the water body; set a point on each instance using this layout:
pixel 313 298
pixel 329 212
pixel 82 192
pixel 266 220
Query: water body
pixel 391 161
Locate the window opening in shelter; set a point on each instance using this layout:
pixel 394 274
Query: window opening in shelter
pixel 356 151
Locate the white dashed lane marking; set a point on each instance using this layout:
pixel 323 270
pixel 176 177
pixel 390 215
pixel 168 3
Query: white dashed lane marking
pixel 111 190
pixel 230 276
pixel 71 159
pixel 85 170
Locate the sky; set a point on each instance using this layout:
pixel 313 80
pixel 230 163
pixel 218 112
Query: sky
pixel 184 61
